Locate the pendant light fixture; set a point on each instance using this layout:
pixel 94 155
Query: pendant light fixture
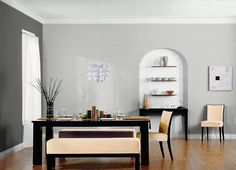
pixel 97 72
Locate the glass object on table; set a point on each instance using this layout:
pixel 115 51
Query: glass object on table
pixel 62 113
pixel 80 115
pixel 120 115
pixel 56 114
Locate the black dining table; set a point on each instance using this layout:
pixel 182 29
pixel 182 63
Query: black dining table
pixel 50 124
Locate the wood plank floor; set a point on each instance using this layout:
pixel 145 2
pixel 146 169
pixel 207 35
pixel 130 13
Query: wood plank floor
pixel 188 155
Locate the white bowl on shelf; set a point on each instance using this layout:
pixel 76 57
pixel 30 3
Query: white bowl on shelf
pixel 164 79
pixel 171 79
pixel 152 78
pixel 155 91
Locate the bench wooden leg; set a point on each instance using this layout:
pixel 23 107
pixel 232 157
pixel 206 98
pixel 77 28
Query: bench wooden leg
pixel 50 162
pixel 137 162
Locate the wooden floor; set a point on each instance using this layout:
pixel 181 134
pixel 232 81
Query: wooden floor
pixel 188 155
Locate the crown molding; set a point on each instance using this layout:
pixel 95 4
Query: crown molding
pixel 134 20
pixel 24 10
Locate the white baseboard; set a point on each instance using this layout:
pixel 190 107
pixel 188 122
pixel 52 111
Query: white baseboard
pixel 11 150
pixel 211 136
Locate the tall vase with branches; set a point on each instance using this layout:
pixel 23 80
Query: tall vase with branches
pixel 50 93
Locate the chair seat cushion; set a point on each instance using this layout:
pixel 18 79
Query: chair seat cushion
pixel 93 145
pixel 211 124
pixel 155 136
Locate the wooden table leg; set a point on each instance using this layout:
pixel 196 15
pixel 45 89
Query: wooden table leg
pixel 37 145
pixel 186 125
pixel 49 132
pixel 144 144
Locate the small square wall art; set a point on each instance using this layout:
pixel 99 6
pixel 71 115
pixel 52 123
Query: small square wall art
pixel 220 78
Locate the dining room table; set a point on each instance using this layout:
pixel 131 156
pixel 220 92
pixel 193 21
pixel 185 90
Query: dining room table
pixel 49 125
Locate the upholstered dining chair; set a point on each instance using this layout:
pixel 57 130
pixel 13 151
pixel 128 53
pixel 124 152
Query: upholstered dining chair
pixel 215 118
pixel 163 135
pixel 164 132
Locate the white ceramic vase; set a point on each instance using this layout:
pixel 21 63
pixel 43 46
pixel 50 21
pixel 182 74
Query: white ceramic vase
pixel 161 62
pixel 165 60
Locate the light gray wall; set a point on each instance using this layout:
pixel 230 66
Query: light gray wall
pixel 11 24
pixel 68 49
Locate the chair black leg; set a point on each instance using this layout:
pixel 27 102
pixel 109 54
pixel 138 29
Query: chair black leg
pixel 202 132
pixel 137 162
pixel 223 133
pixel 162 151
pixel 207 133
pixel 220 133
pixel 169 147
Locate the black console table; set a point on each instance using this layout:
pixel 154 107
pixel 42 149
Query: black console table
pixel 176 111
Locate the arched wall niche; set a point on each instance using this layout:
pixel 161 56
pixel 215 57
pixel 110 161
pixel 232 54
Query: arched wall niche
pixel 148 87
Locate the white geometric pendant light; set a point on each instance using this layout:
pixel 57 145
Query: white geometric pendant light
pixel 97 72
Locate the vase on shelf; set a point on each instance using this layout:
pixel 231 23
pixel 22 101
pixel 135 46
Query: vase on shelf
pixel 146 104
pixel 49 111
pixel 161 62
pixel 165 60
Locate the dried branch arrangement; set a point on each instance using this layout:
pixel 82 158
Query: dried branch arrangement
pixel 51 92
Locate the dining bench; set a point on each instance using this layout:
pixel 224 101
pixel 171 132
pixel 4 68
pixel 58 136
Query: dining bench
pixel 92 147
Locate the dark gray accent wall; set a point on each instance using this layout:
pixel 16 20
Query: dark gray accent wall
pixel 1 31
pixel 11 24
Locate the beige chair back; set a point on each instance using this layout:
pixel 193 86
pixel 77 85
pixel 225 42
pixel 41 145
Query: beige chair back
pixel 215 112
pixel 165 122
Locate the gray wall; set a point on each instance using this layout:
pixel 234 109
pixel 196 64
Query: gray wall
pixel 11 23
pixel 1 31
pixel 69 48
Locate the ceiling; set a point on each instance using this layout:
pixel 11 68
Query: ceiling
pixel 126 11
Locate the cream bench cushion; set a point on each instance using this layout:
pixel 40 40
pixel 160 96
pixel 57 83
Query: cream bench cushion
pixel 93 145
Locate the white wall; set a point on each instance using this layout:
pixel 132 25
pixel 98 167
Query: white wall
pixel 69 48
